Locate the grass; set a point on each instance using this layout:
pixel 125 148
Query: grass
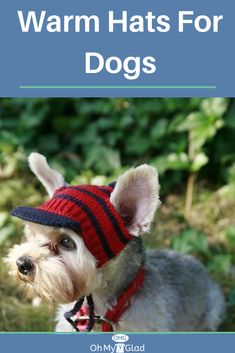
pixel 211 217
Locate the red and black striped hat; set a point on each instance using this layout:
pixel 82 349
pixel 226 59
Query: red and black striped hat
pixel 88 211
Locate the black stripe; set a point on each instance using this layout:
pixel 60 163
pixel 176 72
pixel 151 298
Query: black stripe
pixel 112 184
pixel 108 192
pixel 105 191
pixel 108 213
pixel 93 220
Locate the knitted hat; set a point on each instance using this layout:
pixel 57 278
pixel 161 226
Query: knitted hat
pixel 88 211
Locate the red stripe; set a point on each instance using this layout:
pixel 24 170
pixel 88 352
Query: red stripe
pixel 98 192
pixel 113 241
pixel 86 226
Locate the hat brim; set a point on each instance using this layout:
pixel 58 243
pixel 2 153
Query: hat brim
pixel 36 215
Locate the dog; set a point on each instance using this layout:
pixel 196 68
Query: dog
pixel 84 251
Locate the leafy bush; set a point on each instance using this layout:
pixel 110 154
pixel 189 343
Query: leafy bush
pixel 103 134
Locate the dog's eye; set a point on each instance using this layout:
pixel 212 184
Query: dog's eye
pixel 68 244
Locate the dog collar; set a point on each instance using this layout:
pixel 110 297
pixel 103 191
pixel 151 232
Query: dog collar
pixel 86 318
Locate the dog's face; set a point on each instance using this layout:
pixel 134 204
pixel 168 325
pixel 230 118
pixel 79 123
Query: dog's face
pixel 54 262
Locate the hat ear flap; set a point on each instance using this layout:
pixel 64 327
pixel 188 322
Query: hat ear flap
pixel 136 198
pixel 50 178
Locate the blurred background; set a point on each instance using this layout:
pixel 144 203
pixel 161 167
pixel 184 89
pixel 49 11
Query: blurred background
pixel 190 141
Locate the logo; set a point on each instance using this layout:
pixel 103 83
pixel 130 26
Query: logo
pixel 119 345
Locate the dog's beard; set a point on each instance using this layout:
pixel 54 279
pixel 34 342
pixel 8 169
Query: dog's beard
pixel 60 278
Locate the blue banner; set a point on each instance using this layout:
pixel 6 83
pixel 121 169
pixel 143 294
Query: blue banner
pixel 148 343
pixel 117 48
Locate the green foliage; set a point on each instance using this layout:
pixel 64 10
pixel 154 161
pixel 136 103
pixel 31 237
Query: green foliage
pixel 103 134
pixel 230 237
pixel 7 229
pixel 219 260
pixel 25 318
pixel 220 263
pixel 231 296
pixel 191 241
pixel 201 126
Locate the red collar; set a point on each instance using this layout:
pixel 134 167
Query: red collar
pixel 123 302
pixel 113 315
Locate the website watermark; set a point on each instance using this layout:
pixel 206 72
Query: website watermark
pixel 120 345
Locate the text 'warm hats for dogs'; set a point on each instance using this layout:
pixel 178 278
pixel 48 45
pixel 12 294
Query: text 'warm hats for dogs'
pixel 87 210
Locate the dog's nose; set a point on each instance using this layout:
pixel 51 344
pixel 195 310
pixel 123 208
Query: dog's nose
pixel 24 264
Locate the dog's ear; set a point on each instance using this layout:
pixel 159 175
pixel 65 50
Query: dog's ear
pixel 50 178
pixel 136 198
